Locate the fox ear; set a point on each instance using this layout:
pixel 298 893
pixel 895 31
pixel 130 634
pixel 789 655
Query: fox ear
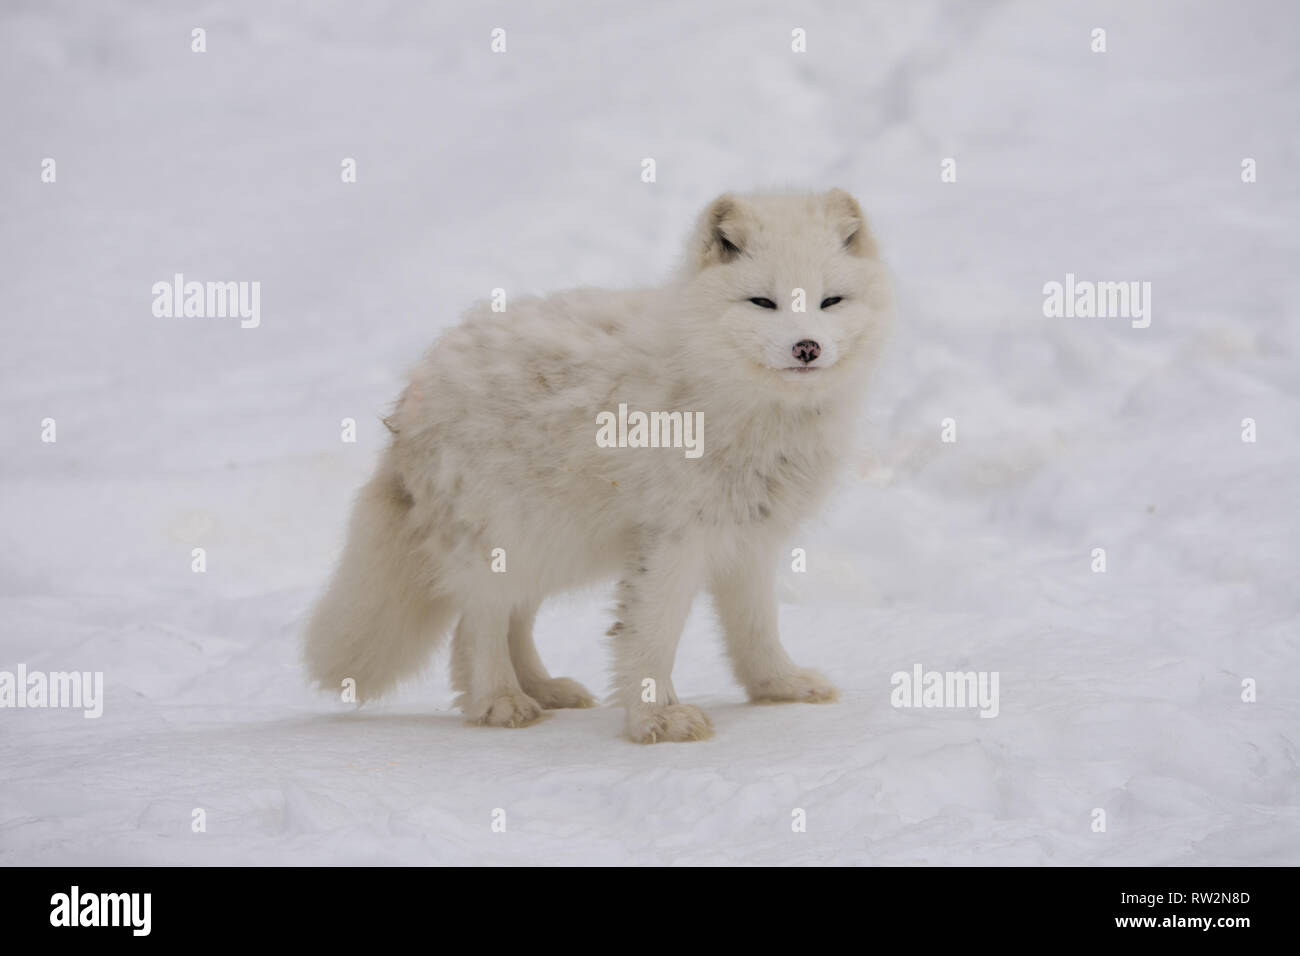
pixel 722 234
pixel 846 215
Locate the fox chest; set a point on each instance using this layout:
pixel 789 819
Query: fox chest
pixel 776 490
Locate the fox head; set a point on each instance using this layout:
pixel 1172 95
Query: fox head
pixel 786 292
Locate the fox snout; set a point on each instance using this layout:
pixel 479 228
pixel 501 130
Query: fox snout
pixel 806 351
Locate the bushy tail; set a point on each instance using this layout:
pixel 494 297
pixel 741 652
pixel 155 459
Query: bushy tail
pixel 379 621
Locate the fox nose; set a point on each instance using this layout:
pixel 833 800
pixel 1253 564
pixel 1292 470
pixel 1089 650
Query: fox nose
pixel 806 351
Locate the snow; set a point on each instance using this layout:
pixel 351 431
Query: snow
pixel 1119 690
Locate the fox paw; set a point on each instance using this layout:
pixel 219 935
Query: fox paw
pixel 675 722
pixel 507 709
pixel 803 686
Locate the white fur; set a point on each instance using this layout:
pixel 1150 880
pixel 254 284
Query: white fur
pixel 494 446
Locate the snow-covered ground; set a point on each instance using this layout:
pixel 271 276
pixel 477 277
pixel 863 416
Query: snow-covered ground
pixel 1119 691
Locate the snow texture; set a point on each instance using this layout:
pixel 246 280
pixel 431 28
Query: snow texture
pixel 1119 690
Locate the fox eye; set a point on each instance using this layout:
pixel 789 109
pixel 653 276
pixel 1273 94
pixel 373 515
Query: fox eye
pixel 831 300
pixel 764 303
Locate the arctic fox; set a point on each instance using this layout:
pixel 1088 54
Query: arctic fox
pixel 496 490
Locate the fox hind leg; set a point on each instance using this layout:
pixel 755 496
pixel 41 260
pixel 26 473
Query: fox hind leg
pixel 488 690
pixel 551 692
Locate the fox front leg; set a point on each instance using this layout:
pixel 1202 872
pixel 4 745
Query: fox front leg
pixel 661 577
pixel 745 594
